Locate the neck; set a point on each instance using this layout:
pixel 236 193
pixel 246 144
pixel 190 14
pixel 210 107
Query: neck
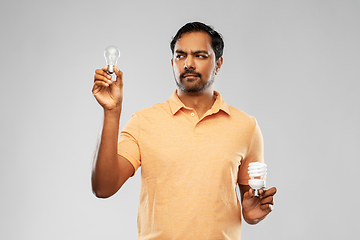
pixel 200 102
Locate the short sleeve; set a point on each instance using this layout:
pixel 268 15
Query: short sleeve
pixel 128 145
pixel 254 154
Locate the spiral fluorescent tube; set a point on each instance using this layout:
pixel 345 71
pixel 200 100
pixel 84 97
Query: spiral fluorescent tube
pixel 257 172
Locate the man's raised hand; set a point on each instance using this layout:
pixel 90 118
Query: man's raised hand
pixel 108 93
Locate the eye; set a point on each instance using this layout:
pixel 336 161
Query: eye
pixel 179 56
pixel 201 56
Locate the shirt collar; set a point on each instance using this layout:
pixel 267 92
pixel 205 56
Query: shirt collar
pixel 219 104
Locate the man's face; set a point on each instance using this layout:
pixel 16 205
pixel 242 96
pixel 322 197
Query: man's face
pixel 194 63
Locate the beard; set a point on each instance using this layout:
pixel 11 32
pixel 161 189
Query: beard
pixel 196 85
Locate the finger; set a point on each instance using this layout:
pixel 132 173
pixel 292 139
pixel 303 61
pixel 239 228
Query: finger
pixel 267 207
pixel 100 84
pixel 269 192
pixel 106 68
pixel 271 206
pixel 100 77
pixel 97 88
pixel 267 200
pixel 251 193
pixel 117 71
pixel 102 72
pixel 261 192
pixel 246 195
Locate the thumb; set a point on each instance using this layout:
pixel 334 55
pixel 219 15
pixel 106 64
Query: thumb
pixel 119 76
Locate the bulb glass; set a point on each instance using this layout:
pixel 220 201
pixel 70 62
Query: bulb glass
pixel 111 55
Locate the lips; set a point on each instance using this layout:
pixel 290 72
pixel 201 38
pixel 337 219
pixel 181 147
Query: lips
pixel 190 74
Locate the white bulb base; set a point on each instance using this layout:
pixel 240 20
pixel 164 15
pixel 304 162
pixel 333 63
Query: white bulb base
pixel 256 184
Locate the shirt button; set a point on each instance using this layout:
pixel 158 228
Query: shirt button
pixel 192 114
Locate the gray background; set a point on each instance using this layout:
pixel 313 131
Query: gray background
pixel 294 65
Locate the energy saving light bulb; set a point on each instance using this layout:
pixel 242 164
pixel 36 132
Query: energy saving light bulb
pixel 111 55
pixel 257 172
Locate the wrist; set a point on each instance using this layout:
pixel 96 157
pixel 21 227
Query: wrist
pixel 113 113
pixel 251 219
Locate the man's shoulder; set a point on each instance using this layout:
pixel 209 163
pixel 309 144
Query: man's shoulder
pixel 154 110
pixel 237 113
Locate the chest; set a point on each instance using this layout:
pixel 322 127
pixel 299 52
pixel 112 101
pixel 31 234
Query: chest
pixel 183 147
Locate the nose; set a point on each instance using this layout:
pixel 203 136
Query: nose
pixel 189 63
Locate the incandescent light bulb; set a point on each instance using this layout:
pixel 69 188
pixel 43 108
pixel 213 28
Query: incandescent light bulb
pixel 257 172
pixel 111 55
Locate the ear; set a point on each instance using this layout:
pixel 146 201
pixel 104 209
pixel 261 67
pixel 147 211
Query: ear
pixel 219 63
pixel 172 62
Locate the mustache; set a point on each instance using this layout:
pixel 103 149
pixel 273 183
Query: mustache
pixel 192 72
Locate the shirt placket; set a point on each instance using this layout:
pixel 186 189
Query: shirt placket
pixel 192 116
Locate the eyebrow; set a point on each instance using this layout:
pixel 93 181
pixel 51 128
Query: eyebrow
pixel 195 52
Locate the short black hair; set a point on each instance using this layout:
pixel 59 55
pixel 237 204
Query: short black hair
pixel 217 42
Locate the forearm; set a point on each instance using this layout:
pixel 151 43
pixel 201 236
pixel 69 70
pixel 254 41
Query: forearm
pixel 105 175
